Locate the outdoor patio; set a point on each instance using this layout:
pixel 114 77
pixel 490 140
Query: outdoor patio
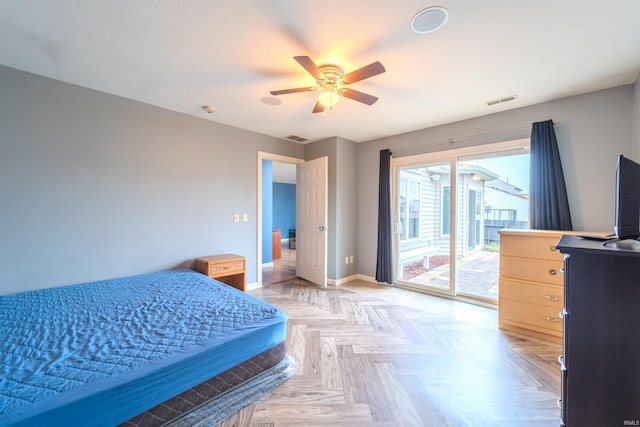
pixel 477 275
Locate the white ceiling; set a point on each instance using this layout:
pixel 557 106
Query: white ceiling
pixel 183 54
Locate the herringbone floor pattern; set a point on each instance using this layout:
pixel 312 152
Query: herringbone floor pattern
pixel 364 360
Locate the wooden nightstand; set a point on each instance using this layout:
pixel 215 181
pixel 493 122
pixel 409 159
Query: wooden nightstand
pixel 227 268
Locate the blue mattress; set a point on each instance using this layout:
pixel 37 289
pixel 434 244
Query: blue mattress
pixel 100 353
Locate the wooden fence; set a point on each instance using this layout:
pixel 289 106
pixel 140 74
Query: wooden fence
pixel 491 227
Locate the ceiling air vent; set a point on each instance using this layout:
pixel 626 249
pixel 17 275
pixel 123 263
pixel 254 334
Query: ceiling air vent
pixel 296 138
pixel 501 100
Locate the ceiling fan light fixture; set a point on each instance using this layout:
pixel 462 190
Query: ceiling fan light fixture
pixel 329 98
pixel 332 83
pixel 429 19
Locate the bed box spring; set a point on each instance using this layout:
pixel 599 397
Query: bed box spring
pixel 240 377
pixel 104 352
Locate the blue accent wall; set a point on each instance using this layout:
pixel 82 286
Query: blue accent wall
pixel 284 207
pixel 267 210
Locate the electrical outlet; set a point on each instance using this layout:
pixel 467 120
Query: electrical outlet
pixel 351 259
pixel 245 217
pixel 236 217
pixel 346 260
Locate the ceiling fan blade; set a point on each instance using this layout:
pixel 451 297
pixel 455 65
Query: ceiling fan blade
pixel 318 108
pixel 311 67
pixel 359 96
pixel 365 72
pixel 285 91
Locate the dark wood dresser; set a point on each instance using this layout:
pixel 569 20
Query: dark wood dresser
pixel 601 341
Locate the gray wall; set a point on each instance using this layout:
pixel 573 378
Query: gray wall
pixel 94 186
pixel 342 202
pixel 592 130
pixel 346 207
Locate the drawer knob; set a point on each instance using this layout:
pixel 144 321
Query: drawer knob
pixel 551 319
pixel 226 267
pixel 553 272
pixel 563 313
pixel 552 297
pixel 553 248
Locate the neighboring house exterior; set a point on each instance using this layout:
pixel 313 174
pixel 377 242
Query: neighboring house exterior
pixel 505 207
pixel 423 222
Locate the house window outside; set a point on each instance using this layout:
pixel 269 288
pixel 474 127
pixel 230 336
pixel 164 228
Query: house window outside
pixel 445 228
pixel 409 212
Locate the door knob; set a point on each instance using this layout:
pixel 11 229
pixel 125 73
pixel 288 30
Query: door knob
pixel 322 228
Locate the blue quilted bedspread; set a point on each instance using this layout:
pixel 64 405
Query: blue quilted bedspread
pixel 72 352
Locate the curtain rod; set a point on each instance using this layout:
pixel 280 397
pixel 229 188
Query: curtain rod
pixel 463 138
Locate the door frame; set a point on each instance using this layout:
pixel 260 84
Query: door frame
pixel 432 158
pixel 262 155
pixel 452 156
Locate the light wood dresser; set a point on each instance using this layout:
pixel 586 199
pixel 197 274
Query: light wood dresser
pixel 531 293
pixel 226 268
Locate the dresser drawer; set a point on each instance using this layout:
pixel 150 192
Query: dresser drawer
pixel 530 246
pixel 226 267
pixel 532 316
pixel 532 293
pixel 536 270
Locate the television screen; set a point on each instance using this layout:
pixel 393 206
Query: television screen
pixel 627 207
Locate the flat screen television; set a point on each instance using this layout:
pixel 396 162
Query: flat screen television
pixel 627 207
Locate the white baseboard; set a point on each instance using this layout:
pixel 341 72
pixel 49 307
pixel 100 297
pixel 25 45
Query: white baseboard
pixel 267 264
pixel 342 281
pixel 367 278
pixel 252 286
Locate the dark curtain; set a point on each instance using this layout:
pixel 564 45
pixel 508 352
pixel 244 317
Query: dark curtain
pixel 384 266
pixel 548 203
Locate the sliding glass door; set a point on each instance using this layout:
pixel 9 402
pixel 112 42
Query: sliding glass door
pixel 445 206
pixel 423 224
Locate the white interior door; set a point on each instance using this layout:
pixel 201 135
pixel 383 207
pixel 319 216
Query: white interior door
pixel 311 220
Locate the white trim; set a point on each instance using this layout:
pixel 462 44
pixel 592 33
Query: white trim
pixel 252 286
pixel 344 280
pixel 362 277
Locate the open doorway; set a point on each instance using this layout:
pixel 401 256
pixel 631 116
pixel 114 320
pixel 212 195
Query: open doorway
pixel 278 222
pixel 272 270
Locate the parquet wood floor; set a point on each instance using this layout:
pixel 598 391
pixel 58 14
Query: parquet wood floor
pixel 282 269
pixel 375 356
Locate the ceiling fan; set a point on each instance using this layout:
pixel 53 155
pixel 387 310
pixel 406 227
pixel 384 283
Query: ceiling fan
pixel 332 81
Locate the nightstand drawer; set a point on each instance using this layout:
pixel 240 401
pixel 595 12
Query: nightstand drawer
pixel 226 268
pixel 231 267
